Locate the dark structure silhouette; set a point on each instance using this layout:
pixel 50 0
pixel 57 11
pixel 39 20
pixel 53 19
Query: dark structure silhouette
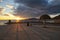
pixel 57 19
pixel 43 18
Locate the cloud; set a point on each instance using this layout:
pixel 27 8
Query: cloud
pixel 38 2
pixel 26 11
pixel 56 2
pixel 54 9
pixel 33 3
pixel 1 9
pixel 10 6
pixel 36 8
pixel 1 0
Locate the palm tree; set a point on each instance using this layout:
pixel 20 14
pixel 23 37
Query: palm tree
pixel 44 18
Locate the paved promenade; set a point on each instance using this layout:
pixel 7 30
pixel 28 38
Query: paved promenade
pixel 23 32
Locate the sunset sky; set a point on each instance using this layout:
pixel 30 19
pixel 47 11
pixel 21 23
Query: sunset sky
pixel 29 8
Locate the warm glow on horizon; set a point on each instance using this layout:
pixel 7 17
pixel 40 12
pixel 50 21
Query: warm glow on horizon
pixel 10 18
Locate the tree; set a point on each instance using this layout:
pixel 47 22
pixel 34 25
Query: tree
pixel 44 18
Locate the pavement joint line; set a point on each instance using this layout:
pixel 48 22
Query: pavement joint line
pixel 6 32
pixel 26 33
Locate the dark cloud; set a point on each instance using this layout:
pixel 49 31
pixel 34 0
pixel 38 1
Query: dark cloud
pixel 33 8
pixel 32 2
pixel 26 11
pixel 55 2
pixel 40 4
pixel 54 9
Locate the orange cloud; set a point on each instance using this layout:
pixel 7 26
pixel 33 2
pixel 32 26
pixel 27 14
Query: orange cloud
pixel 1 9
pixel 10 6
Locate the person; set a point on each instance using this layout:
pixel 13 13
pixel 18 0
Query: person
pixel 27 23
pixel 9 21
